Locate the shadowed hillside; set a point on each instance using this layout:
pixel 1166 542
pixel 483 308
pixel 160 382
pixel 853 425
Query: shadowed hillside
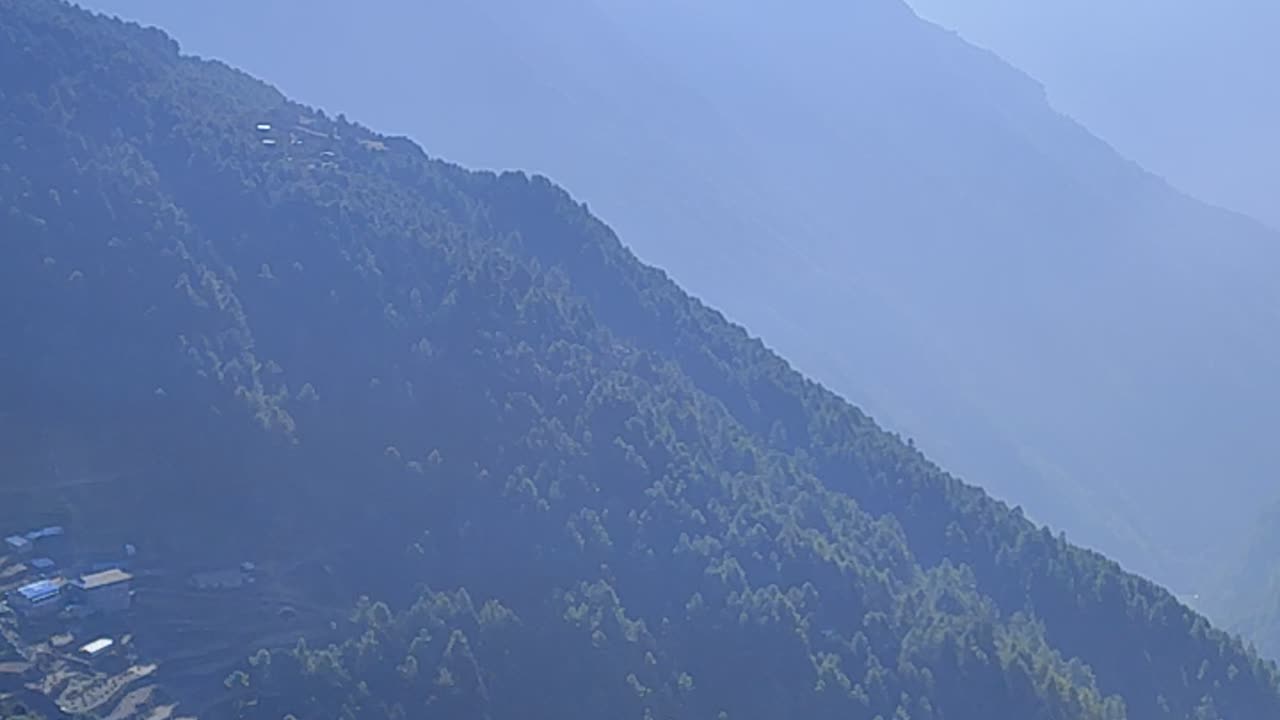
pixel 567 487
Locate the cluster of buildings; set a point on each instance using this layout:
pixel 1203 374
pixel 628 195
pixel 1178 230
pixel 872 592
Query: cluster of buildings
pixel 103 589
pixel 108 591
pixel 21 545
pixel 292 135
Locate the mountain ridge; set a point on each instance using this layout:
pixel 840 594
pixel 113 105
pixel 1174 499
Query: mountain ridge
pixel 974 247
pixel 612 449
pixel 1156 80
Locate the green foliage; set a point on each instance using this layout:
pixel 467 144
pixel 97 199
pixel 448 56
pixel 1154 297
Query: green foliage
pixel 11 709
pixel 614 502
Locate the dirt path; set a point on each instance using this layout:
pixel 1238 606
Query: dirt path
pixel 161 712
pixel 83 698
pixel 132 702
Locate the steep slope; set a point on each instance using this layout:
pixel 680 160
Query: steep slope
pixel 619 501
pixel 1251 601
pixel 900 214
pixel 1183 88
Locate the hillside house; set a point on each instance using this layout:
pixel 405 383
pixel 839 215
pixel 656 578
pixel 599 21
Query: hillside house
pixel 38 599
pixel 50 540
pixel 97 647
pixel 107 591
pixel 17 545
pixel 53 531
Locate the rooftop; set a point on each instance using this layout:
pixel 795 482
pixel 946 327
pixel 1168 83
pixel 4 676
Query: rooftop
pixel 17 541
pixel 97 646
pixel 42 564
pixel 39 590
pixel 51 531
pixel 104 578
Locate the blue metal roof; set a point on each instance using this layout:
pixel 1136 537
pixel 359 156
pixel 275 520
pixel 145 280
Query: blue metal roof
pixel 17 541
pixel 42 564
pixel 39 590
pixel 51 531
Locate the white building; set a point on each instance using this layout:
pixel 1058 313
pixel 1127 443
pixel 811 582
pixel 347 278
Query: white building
pixel 97 647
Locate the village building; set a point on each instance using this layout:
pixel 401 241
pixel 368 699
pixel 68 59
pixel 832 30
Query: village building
pixel 97 647
pixel 107 591
pixel 38 599
pixel 17 544
pixel 49 541
pixel 53 531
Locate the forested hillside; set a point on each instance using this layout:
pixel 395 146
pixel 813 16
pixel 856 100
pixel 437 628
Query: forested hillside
pixel 902 215
pixel 567 488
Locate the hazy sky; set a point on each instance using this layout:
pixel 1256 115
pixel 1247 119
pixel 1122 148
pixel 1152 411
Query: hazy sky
pixel 1185 87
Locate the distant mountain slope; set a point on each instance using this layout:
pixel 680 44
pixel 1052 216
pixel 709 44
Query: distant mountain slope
pixel 1251 601
pixel 900 214
pixel 1184 88
pixel 581 491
